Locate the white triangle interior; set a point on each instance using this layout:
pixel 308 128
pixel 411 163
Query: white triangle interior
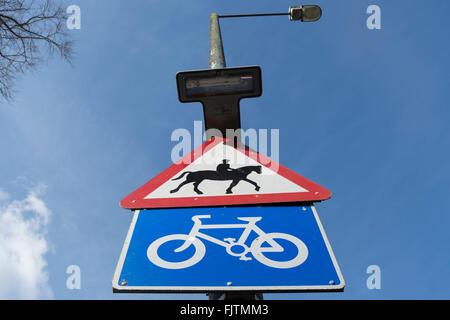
pixel 268 180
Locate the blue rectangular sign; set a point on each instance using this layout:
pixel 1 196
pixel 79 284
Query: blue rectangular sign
pixel 263 249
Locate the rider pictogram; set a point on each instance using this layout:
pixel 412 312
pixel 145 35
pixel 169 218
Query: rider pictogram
pixel 224 168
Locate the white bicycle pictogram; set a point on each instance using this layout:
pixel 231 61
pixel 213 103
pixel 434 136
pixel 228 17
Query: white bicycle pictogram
pixel 230 244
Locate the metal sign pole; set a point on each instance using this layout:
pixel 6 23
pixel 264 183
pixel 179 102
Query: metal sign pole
pixel 217 61
pixel 216 55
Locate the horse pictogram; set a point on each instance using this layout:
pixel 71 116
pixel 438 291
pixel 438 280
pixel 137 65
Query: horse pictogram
pixel 223 173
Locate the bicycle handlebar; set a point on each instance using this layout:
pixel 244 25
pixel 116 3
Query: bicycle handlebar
pixel 196 219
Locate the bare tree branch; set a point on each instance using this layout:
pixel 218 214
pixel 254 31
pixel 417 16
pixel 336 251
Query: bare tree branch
pixel 31 31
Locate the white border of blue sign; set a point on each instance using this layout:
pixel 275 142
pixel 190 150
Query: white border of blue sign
pixel 117 288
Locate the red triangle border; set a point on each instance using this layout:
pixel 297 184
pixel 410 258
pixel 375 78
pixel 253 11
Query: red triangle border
pixel 136 200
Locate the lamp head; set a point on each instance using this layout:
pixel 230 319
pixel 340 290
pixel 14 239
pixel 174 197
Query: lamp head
pixel 307 13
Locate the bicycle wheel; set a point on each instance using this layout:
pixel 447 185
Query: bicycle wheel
pixel 258 251
pixel 152 252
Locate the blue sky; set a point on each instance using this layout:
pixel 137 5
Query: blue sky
pixel 362 112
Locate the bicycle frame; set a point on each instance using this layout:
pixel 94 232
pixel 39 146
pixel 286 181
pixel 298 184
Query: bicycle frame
pixel 248 228
pixel 195 237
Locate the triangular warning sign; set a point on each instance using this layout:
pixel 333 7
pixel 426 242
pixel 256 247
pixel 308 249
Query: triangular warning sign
pixel 218 174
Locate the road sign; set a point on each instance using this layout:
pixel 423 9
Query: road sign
pixel 220 173
pixel 259 249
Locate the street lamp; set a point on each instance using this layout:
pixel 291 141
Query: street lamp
pixel 309 13
pixel 220 89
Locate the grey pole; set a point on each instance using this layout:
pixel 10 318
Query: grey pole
pixel 216 55
pixel 217 61
pixel 226 112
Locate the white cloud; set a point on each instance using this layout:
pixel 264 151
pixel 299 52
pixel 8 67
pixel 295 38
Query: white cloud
pixel 23 245
pixel 3 195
